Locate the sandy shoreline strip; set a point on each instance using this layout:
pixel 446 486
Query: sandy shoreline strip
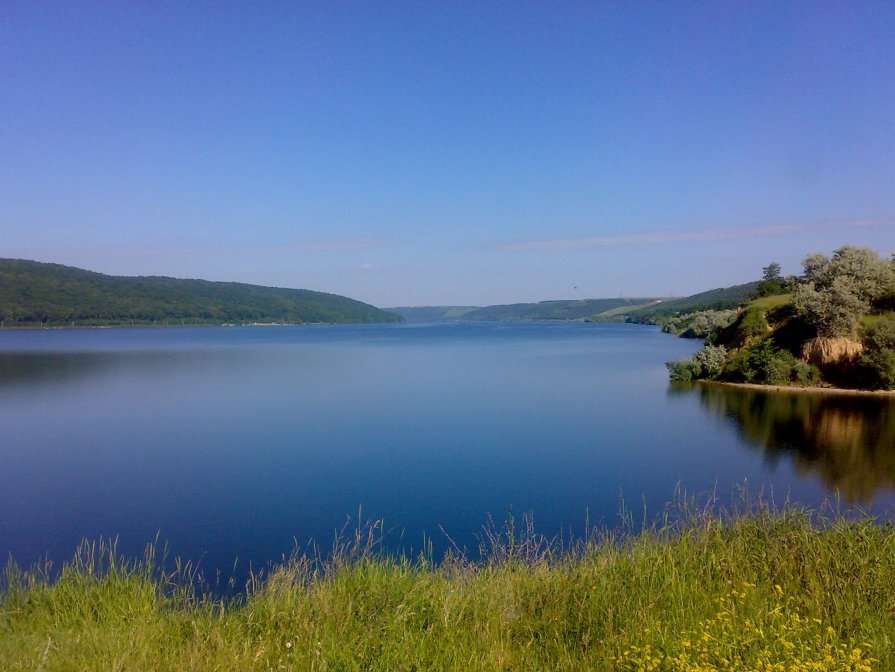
pixel 804 390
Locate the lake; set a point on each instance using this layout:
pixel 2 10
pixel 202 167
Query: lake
pixel 239 444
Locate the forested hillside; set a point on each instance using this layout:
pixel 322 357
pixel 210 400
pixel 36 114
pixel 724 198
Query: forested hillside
pixel 713 299
pixel 34 293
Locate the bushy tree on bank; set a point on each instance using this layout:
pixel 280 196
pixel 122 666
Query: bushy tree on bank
pixel 707 363
pixel 835 293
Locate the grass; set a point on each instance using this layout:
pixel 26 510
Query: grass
pixel 876 318
pixel 768 590
pixel 768 303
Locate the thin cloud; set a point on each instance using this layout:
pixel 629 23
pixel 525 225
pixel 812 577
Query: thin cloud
pixel 702 235
pixel 337 245
pixel 332 245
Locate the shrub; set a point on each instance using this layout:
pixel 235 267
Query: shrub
pixel 753 323
pixel 680 371
pixel 778 369
pixel 764 364
pixel 757 358
pixel 878 359
pixel 707 363
pixel 805 374
pixel 710 360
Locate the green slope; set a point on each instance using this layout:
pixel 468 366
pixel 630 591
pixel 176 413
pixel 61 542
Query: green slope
pixel 714 299
pixel 34 293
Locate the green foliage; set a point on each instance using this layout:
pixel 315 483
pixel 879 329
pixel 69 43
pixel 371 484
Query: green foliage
pixel 834 311
pixel 778 370
pixel 772 282
pixel 836 293
pixel 705 364
pixel 681 371
pixel 710 360
pixel 878 359
pixel 763 363
pixel 701 324
pixel 753 322
pixel 804 374
pixel 747 364
pixel 762 591
pixel 33 293
pixel 749 324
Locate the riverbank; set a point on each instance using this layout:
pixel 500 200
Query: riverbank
pixel 764 591
pixel 840 391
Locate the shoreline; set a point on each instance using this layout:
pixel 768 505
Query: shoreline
pixel 803 390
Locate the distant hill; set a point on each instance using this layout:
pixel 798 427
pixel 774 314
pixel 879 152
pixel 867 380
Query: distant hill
pixel 553 310
pixel 571 309
pixel 34 293
pixel 642 310
pixel 432 313
pixel 713 299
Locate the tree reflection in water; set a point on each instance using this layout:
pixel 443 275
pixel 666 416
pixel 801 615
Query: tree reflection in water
pixel 848 440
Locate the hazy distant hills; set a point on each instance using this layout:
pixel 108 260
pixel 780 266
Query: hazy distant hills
pixel 34 293
pixel 433 313
pixel 646 310
pixel 544 310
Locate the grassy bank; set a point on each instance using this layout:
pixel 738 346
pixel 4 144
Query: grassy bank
pixel 764 591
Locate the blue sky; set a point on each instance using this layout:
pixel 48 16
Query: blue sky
pixel 447 153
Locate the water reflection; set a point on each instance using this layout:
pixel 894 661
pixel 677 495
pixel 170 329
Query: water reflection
pixel 50 368
pixel 848 441
pixel 31 370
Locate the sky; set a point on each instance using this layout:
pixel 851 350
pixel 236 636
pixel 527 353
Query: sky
pixel 447 153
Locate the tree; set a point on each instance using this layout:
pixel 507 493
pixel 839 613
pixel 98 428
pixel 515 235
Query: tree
pixel 772 282
pixel 710 360
pixel 834 294
pixel 771 271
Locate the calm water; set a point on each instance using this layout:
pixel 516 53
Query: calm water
pixel 241 442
